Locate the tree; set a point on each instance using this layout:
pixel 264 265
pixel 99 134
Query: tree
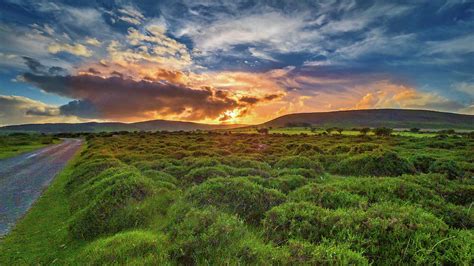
pixel 329 130
pixel 263 131
pixel 364 131
pixel 383 131
pixel 414 130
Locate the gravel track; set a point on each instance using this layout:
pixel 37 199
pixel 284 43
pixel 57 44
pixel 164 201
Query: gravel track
pixel 23 178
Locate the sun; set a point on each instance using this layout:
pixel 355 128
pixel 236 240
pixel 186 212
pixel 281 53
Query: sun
pixel 230 116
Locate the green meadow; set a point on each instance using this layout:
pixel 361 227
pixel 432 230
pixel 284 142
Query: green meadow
pixel 238 198
pixel 17 143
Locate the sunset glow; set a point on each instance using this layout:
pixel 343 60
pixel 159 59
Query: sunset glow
pixel 230 62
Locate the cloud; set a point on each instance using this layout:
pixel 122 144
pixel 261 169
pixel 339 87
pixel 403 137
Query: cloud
pixel 115 98
pixel 21 110
pixel 459 45
pixel 130 15
pixel 75 49
pixel 273 30
pixel 388 95
pixel 93 42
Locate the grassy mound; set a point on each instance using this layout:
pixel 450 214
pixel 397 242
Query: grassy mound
pixel 237 195
pixel 328 197
pixel 207 236
pixel 293 162
pixel 380 163
pixel 114 209
pixel 201 174
pixel 402 234
pixel 127 248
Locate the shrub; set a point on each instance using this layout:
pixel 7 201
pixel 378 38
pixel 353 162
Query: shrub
pixel 364 147
pixel 380 163
pixel 208 236
pixel 422 163
pixel 199 175
pixel 237 195
pixel 88 170
pixel 249 172
pixel 307 173
pixel 304 253
pixel 383 131
pixel 160 176
pixel 113 209
pixel 299 162
pixel 286 183
pixel 328 197
pixel 340 149
pixel 131 248
pixel 385 232
pixel 306 221
pixel 447 167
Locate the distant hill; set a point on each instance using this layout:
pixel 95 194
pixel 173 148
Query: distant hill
pixel 394 118
pixel 152 125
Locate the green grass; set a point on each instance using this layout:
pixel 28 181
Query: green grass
pixel 15 144
pixel 41 236
pixel 241 198
pixel 305 130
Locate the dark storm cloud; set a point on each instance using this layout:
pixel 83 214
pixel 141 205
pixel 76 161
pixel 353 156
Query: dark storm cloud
pixel 80 108
pixel 118 98
pixel 252 100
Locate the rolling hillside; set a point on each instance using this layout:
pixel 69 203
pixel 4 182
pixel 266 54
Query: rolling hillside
pixel 394 118
pixel 152 125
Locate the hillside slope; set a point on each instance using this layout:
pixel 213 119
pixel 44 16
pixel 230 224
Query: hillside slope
pixel 395 118
pixel 152 125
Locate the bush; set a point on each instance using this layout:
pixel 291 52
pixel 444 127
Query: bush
pixel 380 163
pixel 295 162
pixel 208 236
pixel 114 209
pixel 199 175
pixel 307 173
pixel 385 232
pixel 286 183
pixel 383 131
pixel 447 167
pixel 88 170
pixel 237 195
pixel 422 163
pixel 160 176
pixel 306 221
pixel 304 253
pixel 328 197
pixel 130 248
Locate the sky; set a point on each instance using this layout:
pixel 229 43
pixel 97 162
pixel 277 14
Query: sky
pixel 231 62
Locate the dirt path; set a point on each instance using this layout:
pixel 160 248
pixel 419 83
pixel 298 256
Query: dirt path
pixel 23 178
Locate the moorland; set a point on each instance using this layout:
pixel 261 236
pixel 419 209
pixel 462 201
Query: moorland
pixel 173 198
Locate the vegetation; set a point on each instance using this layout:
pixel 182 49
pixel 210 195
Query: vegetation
pixel 242 198
pixel 17 143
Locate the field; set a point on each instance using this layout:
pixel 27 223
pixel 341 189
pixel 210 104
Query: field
pixel 17 143
pixel 242 198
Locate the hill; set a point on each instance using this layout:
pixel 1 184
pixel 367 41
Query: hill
pixel 152 125
pixel 394 118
